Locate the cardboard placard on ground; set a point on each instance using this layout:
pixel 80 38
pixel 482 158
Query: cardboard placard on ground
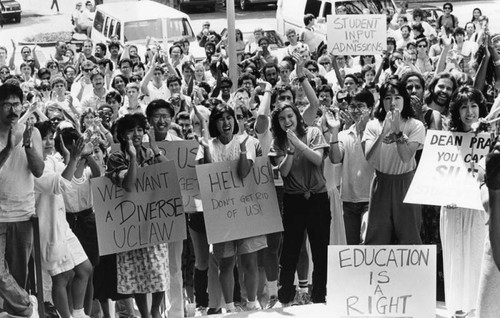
pixel 235 208
pixel 356 34
pixel 382 281
pixel 447 172
pixel 149 215
pixel 183 153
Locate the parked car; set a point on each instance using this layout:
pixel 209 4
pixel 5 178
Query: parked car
pixel 247 4
pixel 209 5
pixel 11 10
pixel 431 13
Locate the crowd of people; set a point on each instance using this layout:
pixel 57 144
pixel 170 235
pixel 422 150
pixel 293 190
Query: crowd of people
pixel 344 134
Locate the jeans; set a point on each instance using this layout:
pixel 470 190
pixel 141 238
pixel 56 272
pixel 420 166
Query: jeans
pixel 16 242
pixel 355 218
pixel 301 214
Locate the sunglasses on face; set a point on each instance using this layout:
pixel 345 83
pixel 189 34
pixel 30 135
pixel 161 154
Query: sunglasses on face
pixel 88 69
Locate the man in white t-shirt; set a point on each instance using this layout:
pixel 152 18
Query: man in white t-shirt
pixel 21 160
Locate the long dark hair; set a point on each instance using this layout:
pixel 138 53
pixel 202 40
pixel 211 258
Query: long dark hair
pixel 129 121
pixel 461 96
pixel 217 113
pixel 278 133
pixel 395 86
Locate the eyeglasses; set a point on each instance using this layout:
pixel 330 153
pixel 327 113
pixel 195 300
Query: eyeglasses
pixel 162 116
pixel 5 72
pixel 14 106
pixel 447 8
pixel 88 69
pixel 324 63
pixel 136 79
pixel 45 89
pixel 357 107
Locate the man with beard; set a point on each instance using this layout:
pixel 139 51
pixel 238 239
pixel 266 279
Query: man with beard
pixel 160 114
pixel 441 88
pixel 20 161
pixel 271 72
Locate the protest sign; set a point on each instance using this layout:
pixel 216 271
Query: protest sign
pixel 149 215
pixel 382 281
pixel 447 172
pixel 357 34
pixel 237 208
pixel 183 153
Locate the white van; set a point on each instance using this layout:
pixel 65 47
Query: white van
pixel 134 21
pixel 290 13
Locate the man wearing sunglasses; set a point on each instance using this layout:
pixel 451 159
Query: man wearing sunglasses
pixel 21 162
pixel 448 20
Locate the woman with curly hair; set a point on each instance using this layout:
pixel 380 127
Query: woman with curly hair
pixel 299 152
pixel 463 231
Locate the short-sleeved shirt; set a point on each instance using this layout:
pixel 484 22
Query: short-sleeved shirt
pixel 80 196
pixel 387 160
pixel 117 165
pixel 231 150
pixel 304 176
pixel 357 173
pixel 17 197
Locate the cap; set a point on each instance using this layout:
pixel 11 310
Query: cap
pixel 88 64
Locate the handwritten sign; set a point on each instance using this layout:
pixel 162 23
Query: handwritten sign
pixel 183 153
pixel 382 281
pixel 356 34
pixel 237 208
pixel 149 215
pixel 447 172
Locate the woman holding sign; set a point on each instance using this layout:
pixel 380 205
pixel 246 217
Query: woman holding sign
pixel 390 142
pixel 225 146
pixel 143 270
pixel 463 231
pixel 299 152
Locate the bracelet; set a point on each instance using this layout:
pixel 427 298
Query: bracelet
pixel 401 138
pixel 302 78
pixel 334 142
pixel 243 152
pixel 497 62
pixel 325 131
pixel 267 91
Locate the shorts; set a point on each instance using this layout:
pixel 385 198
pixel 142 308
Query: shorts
pixel 240 247
pixel 66 256
pixel 84 226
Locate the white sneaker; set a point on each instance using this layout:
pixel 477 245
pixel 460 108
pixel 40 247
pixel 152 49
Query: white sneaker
pixel 34 303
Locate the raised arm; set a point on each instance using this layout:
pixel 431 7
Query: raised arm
pixel 310 111
pixel 264 111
